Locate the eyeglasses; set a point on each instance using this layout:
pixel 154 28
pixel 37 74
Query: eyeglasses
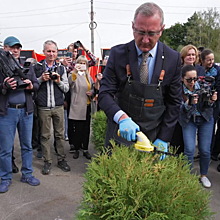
pixel 148 33
pixel 191 79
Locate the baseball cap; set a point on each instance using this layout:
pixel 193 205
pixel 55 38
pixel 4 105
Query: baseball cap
pixel 11 41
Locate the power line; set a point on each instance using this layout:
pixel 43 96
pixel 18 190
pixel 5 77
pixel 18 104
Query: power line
pixel 61 6
pixel 75 10
pixel 40 26
pixel 111 23
pixel 71 10
pixel 54 34
pixel 116 9
pixel 162 6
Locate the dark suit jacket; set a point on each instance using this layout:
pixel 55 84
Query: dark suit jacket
pixel 115 76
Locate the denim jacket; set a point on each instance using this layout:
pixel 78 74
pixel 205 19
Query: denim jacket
pixel 202 109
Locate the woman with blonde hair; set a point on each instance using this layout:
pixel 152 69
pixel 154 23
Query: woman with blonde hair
pixel 189 56
pixel 82 91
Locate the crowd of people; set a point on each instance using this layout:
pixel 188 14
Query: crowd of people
pixel 171 97
pixel 34 100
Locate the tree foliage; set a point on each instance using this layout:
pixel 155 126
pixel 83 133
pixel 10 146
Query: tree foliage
pixel 174 36
pixel 201 29
pixel 134 185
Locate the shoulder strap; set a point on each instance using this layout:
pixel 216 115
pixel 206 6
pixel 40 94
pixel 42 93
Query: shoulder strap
pixel 38 69
pixel 60 69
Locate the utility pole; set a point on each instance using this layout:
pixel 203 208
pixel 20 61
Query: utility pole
pixel 92 26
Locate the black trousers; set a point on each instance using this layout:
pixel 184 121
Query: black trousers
pixel 177 139
pixel 36 144
pixel 216 141
pixel 79 131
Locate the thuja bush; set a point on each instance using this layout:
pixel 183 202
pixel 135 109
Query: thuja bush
pixel 132 185
pixel 98 130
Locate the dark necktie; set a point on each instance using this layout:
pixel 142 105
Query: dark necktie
pixel 144 68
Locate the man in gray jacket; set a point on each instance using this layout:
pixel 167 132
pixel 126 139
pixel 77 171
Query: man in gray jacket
pixel 53 82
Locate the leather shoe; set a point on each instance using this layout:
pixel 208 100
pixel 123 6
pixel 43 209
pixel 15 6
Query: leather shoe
pixel 63 166
pixel 87 155
pixel 4 185
pixel 75 154
pixel 31 180
pixel 46 168
pixel 14 167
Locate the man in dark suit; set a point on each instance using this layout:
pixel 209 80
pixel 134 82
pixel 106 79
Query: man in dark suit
pixel 131 105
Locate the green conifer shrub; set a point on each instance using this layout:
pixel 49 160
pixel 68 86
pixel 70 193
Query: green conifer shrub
pixel 133 185
pixel 99 119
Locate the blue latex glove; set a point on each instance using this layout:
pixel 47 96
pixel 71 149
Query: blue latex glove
pixel 161 146
pixel 128 129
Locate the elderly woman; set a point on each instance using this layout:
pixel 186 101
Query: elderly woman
pixel 189 56
pixel 82 91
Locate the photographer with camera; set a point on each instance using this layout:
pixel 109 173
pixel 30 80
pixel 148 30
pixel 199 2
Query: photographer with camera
pixel 53 82
pixel 16 111
pixel 196 117
pixel 213 70
pixel 15 51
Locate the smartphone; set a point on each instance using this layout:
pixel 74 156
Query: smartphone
pixel 69 54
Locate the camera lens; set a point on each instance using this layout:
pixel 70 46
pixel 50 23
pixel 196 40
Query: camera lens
pixel 53 77
pixel 76 45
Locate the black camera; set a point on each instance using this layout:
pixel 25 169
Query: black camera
pixel 52 76
pixel 26 67
pixel 20 83
pixel 77 44
pixel 22 74
pixel 11 68
pixel 205 92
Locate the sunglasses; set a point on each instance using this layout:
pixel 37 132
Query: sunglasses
pixel 191 79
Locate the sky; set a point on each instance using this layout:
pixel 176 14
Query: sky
pixel 66 21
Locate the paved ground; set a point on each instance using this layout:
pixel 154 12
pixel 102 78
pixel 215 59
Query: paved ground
pixel 56 198
pixel 59 195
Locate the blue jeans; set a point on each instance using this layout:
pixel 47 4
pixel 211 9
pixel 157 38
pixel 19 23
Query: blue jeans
pixel 15 118
pixel 204 129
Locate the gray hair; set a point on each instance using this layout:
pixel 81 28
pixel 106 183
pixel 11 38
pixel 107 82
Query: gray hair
pixel 50 42
pixel 82 58
pixel 148 9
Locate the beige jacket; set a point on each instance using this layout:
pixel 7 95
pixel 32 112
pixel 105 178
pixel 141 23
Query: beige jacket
pixel 78 89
